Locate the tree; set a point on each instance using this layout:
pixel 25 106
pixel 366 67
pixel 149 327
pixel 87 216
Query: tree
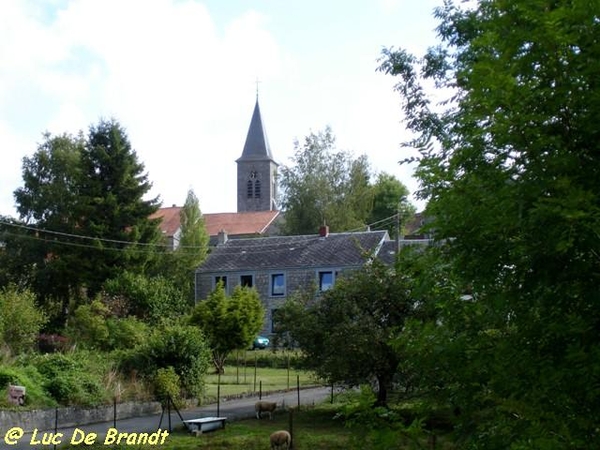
pixel 325 186
pixel 192 248
pixel 112 207
pixel 510 167
pixel 389 199
pixel 47 201
pixel 229 323
pixel 83 202
pixel 346 333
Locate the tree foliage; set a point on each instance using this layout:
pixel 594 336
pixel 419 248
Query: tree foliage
pixel 83 201
pixel 229 323
pixel 509 166
pixel 172 345
pixel 151 299
pixel 20 319
pixel 191 250
pixel 325 186
pixel 346 332
pixel 390 197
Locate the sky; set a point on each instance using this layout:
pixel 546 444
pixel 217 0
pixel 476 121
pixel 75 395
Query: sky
pixel 181 77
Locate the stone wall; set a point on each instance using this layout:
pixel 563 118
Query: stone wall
pixel 295 279
pixel 73 416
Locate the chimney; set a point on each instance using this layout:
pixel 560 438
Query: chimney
pixel 324 231
pixel 222 237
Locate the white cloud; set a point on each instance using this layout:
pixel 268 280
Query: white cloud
pixel 183 86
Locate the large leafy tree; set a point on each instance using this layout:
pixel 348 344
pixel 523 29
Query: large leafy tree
pixel 325 186
pixel 229 322
pixel 390 197
pixel 347 332
pixel 510 168
pixel 83 199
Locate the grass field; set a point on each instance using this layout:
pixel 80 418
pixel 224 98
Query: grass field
pixel 312 429
pixel 242 380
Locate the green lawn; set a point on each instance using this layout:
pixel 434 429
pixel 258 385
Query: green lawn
pixel 242 380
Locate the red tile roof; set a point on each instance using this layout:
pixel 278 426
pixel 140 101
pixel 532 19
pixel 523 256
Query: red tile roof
pixel 243 223
pixel 170 219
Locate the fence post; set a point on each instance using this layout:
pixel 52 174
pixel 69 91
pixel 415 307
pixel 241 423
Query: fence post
pixel 291 427
pixel 55 423
pixel 219 394
pixel 255 366
pixel 115 412
pixel 298 389
pixel 260 390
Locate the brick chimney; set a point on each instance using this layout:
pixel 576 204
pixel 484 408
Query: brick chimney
pixel 324 231
pixel 222 237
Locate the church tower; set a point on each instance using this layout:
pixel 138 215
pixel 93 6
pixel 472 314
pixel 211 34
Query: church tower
pixel 256 170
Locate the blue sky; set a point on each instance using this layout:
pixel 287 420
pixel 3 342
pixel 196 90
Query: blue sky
pixel 180 76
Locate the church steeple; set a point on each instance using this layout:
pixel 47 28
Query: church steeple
pixel 257 170
pixel 257 144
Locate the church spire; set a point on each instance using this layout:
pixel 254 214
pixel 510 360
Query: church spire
pixel 257 144
pixel 256 169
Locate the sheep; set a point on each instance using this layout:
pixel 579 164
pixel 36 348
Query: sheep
pixel 263 406
pixel 280 439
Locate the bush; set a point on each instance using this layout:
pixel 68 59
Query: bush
pixel 87 326
pixel 127 332
pixel 167 384
pixel 181 347
pixel 20 319
pixel 28 376
pixel 70 380
pixel 267 358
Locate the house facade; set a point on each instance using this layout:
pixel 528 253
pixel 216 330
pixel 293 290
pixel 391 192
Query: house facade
pixel 278 266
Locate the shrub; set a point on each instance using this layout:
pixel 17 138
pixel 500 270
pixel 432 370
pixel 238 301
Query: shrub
pixel 70 380
pixel 20 319
pixel 127 332
pixel 87 326
pixel 181 347
pixel 167 384
pixel 33 381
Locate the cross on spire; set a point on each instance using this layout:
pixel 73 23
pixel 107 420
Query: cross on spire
pixel 257 82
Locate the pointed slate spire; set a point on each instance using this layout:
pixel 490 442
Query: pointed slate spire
pixel 257 145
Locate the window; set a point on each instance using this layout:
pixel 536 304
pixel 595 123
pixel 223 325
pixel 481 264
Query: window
pixel 221 279
pixel 257 189
pixel 325 280
pixel 277 285
pixel 249 187
pixel 247 281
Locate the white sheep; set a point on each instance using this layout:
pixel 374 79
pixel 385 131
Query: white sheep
pixel 262 406
pixel 280 439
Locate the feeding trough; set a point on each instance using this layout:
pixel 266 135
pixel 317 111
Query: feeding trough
pixel 204 424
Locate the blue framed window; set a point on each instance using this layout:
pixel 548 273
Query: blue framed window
pixel 277 285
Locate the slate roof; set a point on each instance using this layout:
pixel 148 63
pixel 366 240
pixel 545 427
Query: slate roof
pixel 289 252
pixel 242 223
pixel 256 147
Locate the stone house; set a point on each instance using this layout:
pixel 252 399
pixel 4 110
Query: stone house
pixel 278 266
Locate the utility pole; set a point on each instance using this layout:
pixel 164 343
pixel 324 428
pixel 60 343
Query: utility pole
pixel 398 230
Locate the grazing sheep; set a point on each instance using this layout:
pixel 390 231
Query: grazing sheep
pixel 263 406
pixel 280 439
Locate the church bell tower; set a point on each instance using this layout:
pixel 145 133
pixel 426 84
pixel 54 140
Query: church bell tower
pixel 256 170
